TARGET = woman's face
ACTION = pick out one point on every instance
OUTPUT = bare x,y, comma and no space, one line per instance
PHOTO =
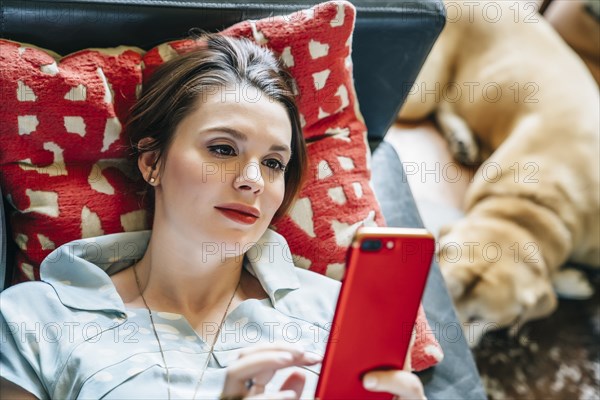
224,174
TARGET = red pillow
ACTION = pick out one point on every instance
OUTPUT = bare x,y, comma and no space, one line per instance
62,153
92,198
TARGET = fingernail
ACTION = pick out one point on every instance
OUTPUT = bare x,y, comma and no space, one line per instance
313,358
370,382
288,394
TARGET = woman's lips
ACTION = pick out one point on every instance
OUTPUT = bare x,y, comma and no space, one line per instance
238,216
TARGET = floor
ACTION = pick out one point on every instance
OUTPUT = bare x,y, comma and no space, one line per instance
554,358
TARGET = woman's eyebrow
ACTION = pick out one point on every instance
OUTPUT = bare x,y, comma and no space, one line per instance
243,137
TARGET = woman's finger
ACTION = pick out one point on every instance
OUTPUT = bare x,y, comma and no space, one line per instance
260,367
279,346
294,382
283,395
253,364
404,384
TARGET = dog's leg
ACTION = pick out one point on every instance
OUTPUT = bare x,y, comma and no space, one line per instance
571,283
462,142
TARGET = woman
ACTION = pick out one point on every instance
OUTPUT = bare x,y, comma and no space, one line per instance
159,314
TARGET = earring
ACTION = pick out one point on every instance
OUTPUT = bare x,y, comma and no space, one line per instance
152,179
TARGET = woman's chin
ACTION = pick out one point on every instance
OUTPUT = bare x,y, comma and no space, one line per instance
238,241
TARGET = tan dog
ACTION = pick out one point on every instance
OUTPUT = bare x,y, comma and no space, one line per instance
506,89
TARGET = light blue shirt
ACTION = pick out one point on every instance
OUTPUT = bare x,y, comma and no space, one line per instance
71,336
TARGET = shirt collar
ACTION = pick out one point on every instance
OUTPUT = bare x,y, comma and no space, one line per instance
79,270
270,261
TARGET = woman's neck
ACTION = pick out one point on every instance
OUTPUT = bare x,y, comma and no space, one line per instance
177,275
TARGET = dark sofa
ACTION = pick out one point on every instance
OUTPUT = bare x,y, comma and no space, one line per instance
391,41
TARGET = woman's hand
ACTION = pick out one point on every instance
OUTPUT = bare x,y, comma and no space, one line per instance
403,383
249,374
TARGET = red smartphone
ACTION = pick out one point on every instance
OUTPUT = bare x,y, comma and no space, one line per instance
386,271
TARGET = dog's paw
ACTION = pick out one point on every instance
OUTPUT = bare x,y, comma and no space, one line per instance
460,138
572,284
454,283
444,230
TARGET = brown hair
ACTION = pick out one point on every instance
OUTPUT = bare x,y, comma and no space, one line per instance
171,94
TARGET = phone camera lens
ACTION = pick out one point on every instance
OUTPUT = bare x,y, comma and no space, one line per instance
371,245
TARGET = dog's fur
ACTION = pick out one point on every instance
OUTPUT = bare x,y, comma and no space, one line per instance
499,261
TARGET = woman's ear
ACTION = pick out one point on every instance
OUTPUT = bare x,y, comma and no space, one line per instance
147,162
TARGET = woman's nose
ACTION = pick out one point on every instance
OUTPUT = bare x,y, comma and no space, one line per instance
250,178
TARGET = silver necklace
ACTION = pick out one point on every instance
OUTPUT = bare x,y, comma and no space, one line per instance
162,354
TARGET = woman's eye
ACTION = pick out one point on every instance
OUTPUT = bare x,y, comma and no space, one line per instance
274,164
222,150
